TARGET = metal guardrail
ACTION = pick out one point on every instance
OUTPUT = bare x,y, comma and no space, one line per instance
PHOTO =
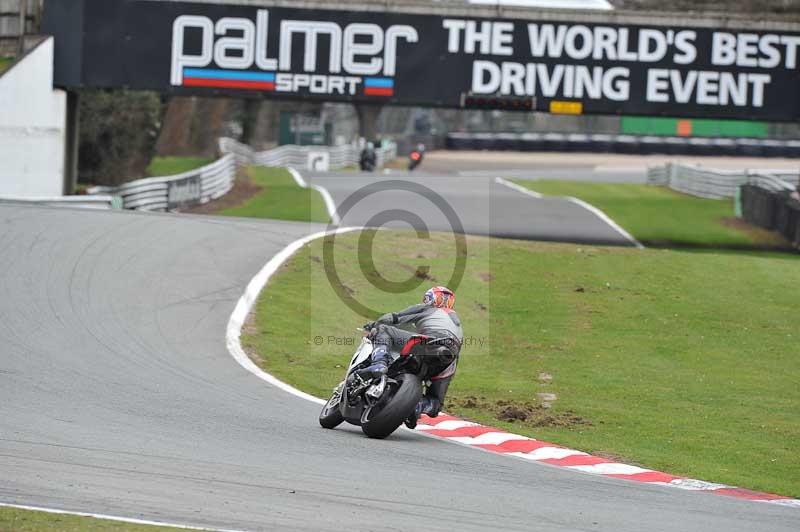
216,179
714,183
769,182
302,156
171,192
86,202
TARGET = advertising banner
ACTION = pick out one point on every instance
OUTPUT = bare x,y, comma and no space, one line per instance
408,59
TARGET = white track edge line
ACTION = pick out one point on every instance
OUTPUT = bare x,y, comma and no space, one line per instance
607,219
245,305
326,196
589,207
518,188
248,299
233,334
113,518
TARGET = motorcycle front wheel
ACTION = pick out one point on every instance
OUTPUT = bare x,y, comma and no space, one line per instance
382,419
331,415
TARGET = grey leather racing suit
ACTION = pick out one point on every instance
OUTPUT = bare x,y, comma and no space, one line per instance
395,329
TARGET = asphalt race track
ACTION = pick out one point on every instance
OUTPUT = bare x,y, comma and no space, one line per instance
118,396
482,206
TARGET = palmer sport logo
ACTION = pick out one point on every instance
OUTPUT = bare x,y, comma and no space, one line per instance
234,53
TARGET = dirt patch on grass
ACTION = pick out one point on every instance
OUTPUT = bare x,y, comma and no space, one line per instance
760,237
527,413
250,328
243,189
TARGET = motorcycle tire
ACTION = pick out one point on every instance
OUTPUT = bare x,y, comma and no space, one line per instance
397,410
331,416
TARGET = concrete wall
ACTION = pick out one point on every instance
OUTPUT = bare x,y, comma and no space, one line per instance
32,127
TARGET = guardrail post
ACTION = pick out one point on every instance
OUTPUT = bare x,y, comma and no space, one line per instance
737,202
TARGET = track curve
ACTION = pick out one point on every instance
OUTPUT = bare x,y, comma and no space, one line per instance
117,396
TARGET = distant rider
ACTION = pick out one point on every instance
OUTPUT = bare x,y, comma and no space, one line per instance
369,158
434,318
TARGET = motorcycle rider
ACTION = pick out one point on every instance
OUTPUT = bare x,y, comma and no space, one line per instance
433,318
369,158
415,157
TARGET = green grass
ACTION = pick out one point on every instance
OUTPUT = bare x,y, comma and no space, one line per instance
164,166
32,521
659,216
5,62
280,198
679,361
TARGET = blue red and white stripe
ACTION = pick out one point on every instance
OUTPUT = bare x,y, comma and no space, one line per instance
228,79
378,86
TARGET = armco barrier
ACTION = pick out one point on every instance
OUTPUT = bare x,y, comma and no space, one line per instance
301,156
216,179
717,184
171,192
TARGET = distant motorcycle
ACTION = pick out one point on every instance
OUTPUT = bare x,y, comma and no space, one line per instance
414,159
379,405
367,165
369,159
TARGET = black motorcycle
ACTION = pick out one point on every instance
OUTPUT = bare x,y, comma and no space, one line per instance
379,405
368,160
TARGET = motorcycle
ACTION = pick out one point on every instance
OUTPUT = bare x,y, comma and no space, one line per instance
367,166
379,405
368,160
414,159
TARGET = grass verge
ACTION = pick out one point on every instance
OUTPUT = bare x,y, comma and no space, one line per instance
164,166
659,216
5,62
279,197
32,521
678,361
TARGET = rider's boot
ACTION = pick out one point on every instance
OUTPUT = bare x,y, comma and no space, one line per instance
423,407
380,364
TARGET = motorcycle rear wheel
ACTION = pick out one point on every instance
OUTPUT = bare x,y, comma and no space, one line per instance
400,406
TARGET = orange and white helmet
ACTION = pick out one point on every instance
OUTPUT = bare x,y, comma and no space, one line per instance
440,297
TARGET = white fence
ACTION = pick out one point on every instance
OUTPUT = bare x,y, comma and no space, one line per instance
303,156
772,182
216,179
170,192
717,184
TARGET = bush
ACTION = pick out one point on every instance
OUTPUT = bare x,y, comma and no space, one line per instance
118,132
